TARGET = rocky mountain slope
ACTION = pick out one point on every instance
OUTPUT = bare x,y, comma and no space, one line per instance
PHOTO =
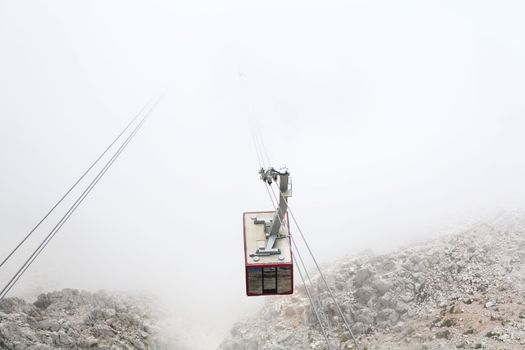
465,290
72,319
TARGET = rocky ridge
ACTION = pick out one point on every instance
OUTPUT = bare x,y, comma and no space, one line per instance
466,290
73,319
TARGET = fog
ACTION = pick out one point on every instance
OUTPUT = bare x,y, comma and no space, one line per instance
397,122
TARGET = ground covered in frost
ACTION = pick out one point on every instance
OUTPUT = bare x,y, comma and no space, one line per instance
465,291
72,319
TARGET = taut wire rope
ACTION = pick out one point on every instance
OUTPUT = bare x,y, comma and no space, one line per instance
73,186
72,209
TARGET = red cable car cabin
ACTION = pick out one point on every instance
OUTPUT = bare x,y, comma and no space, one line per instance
270,274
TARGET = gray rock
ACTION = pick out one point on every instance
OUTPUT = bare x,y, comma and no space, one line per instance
443,294
382,286
361,276
72,319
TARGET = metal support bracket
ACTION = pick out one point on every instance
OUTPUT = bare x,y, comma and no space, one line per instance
272,227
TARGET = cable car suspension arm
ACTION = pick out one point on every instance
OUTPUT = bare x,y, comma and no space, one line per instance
272,227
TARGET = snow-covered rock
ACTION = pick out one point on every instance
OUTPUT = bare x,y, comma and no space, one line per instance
465,290
73,319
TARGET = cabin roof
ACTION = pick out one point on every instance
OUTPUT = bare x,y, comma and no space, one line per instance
254,238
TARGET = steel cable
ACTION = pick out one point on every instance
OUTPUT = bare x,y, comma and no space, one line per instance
73,186
309,295
254,138
72,209
317,299
319,270
284,222
325,335
323,278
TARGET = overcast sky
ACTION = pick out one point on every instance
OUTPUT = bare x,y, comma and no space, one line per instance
397,120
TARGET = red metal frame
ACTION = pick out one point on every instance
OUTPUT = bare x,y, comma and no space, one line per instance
247,265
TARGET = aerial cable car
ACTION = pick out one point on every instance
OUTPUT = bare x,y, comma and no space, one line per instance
267,249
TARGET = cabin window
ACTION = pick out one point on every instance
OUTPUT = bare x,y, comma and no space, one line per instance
269,280
255,285
284,280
